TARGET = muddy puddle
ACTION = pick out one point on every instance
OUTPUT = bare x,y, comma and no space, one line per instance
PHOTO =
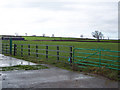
6,61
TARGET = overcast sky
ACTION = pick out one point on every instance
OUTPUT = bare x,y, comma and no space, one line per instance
67,18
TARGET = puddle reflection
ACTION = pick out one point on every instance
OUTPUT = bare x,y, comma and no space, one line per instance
6,61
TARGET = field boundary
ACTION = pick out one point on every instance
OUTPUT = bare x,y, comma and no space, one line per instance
20,49
33,50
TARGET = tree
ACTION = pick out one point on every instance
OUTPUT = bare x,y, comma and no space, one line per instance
43,35
16,34
52,35
81,36
25,34
103,37
97,35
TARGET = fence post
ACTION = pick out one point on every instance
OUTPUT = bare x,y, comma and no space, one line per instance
15,49
71,55
6,48
29,50
10,46
2,48
57,53
21,50
46,51
73,65
36,50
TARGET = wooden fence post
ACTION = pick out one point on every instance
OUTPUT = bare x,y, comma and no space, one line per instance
46,51
36,50
6,48
21,50
28,50
2,48
15,46
57,53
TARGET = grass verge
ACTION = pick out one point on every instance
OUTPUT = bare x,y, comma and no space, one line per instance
108,73
24,67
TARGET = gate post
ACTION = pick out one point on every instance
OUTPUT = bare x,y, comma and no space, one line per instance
73,65
99,57
71,55
10,46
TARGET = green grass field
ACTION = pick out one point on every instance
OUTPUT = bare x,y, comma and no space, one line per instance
62,38
47,38
95,45
112,74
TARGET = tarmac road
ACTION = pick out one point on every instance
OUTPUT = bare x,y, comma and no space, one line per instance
52,78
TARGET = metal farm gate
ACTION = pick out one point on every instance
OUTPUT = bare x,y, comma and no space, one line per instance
86,58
